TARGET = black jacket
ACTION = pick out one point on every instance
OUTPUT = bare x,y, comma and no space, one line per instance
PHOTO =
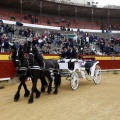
65,54
72,54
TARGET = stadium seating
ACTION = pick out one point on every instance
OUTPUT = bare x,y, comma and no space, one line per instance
6,14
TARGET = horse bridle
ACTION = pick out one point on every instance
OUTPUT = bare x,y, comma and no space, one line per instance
17,59
31,54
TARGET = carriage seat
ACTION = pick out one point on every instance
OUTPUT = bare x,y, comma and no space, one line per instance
88,65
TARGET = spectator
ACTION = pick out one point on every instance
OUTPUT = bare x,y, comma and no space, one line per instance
54,51
72,52
48,21
63,20
1,21
68,23
26,17
36,20
30,15
56,21
65,53
6,46
6,29
21,31
19,24
56,42
68,29
32,20
116,50
12,17
10,32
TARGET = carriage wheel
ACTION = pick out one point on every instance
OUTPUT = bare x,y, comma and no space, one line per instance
74,81
97,75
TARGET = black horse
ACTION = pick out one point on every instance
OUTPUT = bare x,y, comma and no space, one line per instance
21,64
42,68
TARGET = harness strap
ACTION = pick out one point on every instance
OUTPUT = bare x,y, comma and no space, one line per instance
43,64
22,68
35,67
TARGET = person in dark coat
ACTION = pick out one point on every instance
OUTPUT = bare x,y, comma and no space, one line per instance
72,52
72,55
6,46
65,53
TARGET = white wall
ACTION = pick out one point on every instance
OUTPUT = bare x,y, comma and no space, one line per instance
83,2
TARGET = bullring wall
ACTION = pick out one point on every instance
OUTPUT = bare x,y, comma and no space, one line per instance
7,69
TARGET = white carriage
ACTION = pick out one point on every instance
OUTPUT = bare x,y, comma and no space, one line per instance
79,71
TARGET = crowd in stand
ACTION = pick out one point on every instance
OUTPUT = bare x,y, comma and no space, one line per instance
84,43
6,35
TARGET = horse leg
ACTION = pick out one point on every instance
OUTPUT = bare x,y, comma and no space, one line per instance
27,92
50,84
43,83
17,95
34,89
57,82
37,93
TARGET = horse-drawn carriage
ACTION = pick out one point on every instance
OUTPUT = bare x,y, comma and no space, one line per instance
37,68
81,69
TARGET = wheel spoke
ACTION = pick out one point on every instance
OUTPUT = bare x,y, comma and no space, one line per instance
74,80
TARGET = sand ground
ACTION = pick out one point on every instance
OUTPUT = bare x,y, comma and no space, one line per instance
88,102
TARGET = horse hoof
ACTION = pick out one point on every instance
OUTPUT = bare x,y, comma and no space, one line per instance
30,102
55,92
49,92
46,85
37,96
15,100
43,90
27,94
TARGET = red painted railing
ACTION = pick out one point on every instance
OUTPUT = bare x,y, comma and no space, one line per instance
106,63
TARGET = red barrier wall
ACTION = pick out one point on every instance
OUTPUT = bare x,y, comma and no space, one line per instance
109,64
6,69
106,62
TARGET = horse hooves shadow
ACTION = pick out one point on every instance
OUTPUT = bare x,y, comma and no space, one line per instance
15,100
